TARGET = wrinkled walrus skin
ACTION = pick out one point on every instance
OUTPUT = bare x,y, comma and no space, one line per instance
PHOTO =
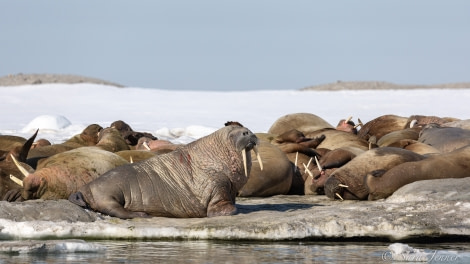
199,179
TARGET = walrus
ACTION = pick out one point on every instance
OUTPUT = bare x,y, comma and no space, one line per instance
276,176
42,142
327,164
444,139
304,122
88,137
454,164
130,136
334,139
415,146
8,142
8,167
200,179
397,135
347,182
381,126
347,125
422,120
64,173
111,140
465,124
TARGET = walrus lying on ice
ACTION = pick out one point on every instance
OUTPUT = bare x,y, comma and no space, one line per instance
199,179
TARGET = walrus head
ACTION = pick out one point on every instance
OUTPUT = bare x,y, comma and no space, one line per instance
335,189
245,141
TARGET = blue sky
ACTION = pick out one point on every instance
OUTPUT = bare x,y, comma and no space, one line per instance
238,45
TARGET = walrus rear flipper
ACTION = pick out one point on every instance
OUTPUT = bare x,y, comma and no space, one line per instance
77,198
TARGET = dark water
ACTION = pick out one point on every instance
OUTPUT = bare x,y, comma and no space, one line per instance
233,252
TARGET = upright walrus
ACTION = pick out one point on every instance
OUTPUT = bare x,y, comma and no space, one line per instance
199,179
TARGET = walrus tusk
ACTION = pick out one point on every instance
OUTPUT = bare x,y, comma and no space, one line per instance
258,157
318,164
359,123
296,158
310,161
146,145
244,161
339,196
16,180
307,170
18,165
342,185
347,120
413,123
130,159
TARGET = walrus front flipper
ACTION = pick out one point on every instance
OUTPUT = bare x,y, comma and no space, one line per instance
13,196
77,198
117,210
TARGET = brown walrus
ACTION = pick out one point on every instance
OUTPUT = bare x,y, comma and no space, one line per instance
276,176
328,163
88,137
65,172
304,122
454,164
347,182
415,146
381,126
130,136
334,139
8,167
200,179
111,140
444,139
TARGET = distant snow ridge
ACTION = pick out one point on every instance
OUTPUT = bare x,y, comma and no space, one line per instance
47,122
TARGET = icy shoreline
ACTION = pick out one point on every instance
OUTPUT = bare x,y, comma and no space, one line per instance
426,210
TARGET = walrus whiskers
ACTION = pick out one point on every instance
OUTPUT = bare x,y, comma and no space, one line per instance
339,196
307,170
18,165
16,180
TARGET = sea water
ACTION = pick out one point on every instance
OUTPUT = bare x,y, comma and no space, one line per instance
243,252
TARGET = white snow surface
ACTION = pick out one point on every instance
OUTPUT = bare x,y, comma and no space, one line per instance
63,110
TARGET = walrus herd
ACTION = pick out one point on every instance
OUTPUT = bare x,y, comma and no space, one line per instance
127,174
